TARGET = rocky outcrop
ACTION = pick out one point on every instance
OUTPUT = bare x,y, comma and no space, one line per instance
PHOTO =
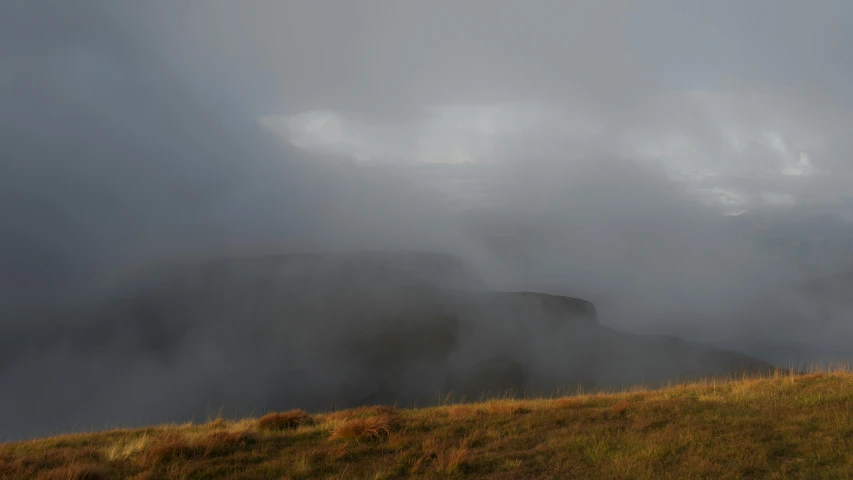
558,306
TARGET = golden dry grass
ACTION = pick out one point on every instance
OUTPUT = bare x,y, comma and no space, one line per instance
511,407
363,411
362,429
178,446
74,472
284,420
127,447
778,426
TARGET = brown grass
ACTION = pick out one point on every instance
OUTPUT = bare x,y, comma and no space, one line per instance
621,407
146,476
217,423
59,461
284,420
509,408
178,447
74,472
127,447
174,448
219,443
570,402
779,426
451,458
458,412
364,428
361,412
443,456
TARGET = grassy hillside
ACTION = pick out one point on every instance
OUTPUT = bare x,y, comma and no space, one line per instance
779,426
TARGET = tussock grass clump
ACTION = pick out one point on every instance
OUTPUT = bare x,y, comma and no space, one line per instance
173,448
361,412
444,456
364,428
126,448
217,423
278,421
376,410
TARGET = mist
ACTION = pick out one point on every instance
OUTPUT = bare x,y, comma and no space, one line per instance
154,155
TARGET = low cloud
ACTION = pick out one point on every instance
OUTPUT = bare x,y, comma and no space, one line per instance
732,151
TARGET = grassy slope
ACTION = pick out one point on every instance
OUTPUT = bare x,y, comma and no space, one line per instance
780,426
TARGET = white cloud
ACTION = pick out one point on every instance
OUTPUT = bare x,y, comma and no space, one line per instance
330,133
802,167
714,144
446,134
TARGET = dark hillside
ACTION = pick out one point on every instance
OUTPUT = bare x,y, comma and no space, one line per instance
316,331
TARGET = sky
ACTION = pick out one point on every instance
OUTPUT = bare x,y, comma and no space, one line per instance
134,132
601,149
744,105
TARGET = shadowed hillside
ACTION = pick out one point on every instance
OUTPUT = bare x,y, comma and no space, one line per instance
321,331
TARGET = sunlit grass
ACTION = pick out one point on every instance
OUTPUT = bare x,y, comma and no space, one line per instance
783,425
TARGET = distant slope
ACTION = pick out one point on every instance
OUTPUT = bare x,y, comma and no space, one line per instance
774,427
805,323
317,331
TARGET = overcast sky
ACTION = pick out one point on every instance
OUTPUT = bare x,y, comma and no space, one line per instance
744,103
129,125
